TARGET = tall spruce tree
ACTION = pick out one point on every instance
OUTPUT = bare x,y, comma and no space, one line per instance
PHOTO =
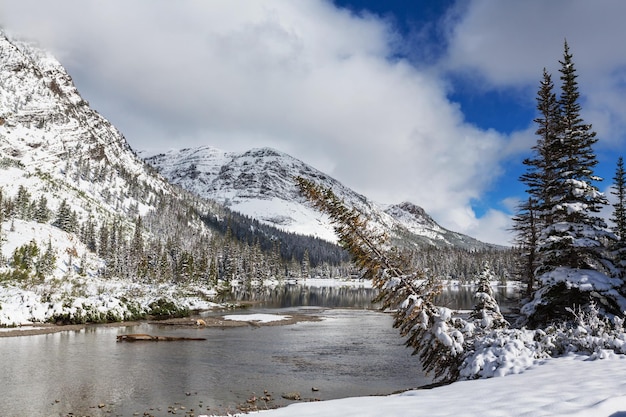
525,223
574,234
542,175
619,216
619,207
574,266
540,179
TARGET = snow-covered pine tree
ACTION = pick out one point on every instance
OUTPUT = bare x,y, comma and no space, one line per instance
619,216
542,174
486,312
574,264
22,204
66,218
540,177
305,265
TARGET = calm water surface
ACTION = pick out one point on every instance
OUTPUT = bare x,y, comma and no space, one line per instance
351,352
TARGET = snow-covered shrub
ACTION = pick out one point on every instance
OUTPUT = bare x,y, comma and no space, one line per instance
590,333
501,352
164,309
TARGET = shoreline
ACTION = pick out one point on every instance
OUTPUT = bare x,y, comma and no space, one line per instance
35,329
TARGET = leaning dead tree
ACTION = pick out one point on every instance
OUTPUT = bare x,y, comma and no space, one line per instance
434,335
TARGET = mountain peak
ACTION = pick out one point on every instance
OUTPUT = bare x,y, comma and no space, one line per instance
411,212
260,183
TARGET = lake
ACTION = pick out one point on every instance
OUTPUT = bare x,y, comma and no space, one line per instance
352,351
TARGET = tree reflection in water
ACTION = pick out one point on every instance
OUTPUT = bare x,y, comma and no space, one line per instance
298,295
353,296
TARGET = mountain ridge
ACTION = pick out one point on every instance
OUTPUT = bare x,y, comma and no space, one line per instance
260,183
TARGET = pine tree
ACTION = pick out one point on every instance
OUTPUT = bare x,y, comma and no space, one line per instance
575,198
103,242
541,178
88,235
22,203
66,218
525,223
619,213
42,213
573,239
305,270
46,263
487,311
619,216
136,246
24,258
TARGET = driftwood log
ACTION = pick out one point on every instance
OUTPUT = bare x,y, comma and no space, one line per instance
133,337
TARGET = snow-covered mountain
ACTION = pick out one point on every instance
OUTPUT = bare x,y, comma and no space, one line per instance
71,191
50,133
90,232
260,183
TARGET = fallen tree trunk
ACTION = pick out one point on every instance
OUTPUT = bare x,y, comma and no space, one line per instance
133,337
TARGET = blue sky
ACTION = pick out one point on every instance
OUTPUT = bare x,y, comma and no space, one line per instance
507,109
424,101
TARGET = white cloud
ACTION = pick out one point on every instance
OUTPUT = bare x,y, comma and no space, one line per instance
505,44
494,226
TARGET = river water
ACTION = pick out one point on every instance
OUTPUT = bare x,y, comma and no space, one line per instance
352,351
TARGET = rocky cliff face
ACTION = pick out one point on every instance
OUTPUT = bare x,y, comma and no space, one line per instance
47,127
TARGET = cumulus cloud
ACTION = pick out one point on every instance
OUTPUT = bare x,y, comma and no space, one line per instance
505,44
494,226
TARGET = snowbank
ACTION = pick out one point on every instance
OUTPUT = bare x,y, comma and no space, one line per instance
573,385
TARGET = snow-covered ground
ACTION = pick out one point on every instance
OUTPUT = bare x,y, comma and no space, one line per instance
573,385
68,293
261,318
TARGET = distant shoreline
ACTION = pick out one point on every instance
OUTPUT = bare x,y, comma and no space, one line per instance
35,329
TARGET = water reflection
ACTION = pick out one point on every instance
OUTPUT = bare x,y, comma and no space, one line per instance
462,297
356,296
299,295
